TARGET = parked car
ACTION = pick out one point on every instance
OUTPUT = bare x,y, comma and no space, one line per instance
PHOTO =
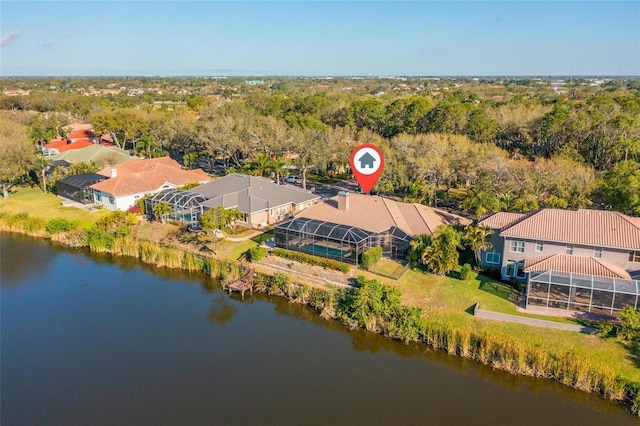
452,204
293,179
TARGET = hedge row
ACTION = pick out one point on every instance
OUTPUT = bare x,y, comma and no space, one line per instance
312,260
371,257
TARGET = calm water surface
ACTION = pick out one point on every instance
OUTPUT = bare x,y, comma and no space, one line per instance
90,340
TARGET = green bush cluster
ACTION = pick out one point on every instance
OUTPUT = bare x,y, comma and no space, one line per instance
60,225
257,253
376,307
371,257
312,260
466,273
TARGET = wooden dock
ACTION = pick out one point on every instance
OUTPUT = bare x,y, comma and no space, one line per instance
242,284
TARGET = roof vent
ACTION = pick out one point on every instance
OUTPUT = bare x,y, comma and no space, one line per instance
114,173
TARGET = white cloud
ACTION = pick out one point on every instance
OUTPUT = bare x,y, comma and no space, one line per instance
7,37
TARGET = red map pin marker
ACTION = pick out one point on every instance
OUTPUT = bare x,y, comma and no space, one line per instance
366,164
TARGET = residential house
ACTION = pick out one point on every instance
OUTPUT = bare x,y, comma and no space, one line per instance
101,155
575,260
611,238
345,226
78,187
261,201
136,178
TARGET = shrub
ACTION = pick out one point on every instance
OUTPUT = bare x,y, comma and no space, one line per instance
257,253
60,225
629,323
33,225
312,260
98,239
371,257
604,328
466,273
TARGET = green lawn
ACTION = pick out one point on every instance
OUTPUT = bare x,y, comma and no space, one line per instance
46,206
234,250
386,267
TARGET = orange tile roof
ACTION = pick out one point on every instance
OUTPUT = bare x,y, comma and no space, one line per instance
377,214
80,134
588,227
138,176
63,145
576,264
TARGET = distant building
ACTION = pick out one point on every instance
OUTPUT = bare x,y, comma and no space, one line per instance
253,82
16,92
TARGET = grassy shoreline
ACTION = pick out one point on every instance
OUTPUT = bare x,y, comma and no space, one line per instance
587,363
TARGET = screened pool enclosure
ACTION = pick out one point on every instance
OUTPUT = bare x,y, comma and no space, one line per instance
585,293
340,242
187,206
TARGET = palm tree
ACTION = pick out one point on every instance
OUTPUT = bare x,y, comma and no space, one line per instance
416,248
476,239
441,256
161,209
278,164
261,166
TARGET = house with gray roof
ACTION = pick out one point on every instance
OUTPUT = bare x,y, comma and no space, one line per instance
261,201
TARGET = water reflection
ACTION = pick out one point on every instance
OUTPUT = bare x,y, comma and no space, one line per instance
221,311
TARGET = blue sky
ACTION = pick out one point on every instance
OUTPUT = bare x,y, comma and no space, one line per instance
319,38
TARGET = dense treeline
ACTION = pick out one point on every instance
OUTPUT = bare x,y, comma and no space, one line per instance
506,148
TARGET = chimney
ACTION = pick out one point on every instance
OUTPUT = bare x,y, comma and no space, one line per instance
343,201
114,173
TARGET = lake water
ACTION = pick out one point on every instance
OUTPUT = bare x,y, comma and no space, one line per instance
91,340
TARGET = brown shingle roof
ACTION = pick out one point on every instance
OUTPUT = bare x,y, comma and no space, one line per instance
589,227
377,214
137,176
576,264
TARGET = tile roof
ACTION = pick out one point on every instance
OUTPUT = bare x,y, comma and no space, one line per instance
80,134
250,194
576,264
63,145
588,227
377,214
140,175
98,153
502,219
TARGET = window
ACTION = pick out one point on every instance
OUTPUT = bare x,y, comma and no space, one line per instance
112,200
520,270
539,246
634,256
597,252
493,257
510,269
98,197
517,246
569,249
